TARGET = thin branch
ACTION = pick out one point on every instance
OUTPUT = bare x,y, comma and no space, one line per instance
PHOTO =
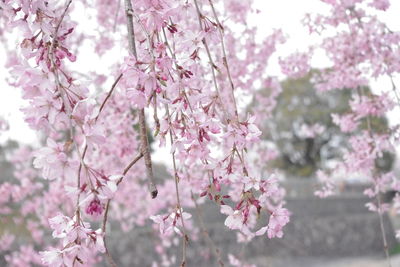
378,197
383,231
214,248
144,148
107,208
394,88
116,15
185,238
60,89
130,165
108,255
62,18
82,157
213,66
225,62
54,69
109,95
224,59
155,116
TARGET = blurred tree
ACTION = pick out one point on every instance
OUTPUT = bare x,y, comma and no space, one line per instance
303,130
6,167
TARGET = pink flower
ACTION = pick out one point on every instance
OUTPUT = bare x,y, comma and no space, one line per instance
85,111
51,160
168,223
137,97
56,257
251,182
380,4
295,65
61,225
6,241
52,257
235,218
327,185
237,263
277,220
347,122
94,207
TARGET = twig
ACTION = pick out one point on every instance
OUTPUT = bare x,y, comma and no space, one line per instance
213,66
144,148
394,88
116,15
224,59
382,226
176,178
82,157
59,86
107,208
109,95
155,116
130,165
214,248
60,89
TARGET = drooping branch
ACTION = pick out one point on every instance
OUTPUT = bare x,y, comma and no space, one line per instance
144,142
200,16
213,66
225,59
378,195
214,248
107,208
109,95
185,237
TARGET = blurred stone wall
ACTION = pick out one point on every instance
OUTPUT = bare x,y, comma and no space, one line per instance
335,227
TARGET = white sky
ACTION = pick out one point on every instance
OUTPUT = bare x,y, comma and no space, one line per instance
285,14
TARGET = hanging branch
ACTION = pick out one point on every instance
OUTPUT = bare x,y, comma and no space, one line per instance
213,66
145,147
185,237
200,16
224,58
107,208
360,93
213,246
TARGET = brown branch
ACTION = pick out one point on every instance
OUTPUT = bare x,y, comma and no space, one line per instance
109,95
131,30
144,148
142,118
130,165
62,18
